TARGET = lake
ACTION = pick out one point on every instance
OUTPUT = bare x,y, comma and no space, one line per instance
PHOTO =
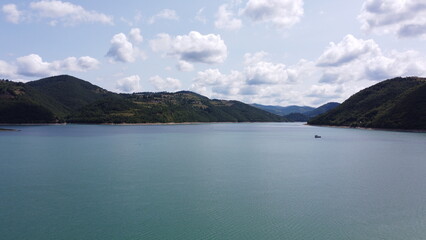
211,181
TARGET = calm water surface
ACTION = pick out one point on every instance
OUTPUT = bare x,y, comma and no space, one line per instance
211,181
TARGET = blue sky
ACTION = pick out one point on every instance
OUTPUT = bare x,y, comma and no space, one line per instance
276,52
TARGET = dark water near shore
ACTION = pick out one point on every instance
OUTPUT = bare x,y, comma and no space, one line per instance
211,181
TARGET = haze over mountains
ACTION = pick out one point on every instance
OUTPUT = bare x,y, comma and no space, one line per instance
298,113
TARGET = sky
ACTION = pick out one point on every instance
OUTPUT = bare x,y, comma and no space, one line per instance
272,52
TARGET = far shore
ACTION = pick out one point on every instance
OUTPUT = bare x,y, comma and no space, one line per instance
121,124
8,130
374,129
197,123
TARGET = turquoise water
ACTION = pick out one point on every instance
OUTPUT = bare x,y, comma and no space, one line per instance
211,181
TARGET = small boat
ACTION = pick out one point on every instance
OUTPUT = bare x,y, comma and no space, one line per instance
317,136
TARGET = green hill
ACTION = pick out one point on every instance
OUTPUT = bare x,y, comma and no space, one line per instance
169,107
398,103
68,99
282,111
20,103
72,93
321,109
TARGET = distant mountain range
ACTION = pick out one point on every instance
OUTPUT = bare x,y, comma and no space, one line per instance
298,113
68,99
398,103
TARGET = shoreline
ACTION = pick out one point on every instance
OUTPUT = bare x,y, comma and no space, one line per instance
124,124
373,129
9,130
198,123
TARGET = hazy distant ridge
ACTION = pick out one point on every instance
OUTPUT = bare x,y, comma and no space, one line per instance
298,113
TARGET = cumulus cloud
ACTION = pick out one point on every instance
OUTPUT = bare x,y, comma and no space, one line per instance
193,48
347,50
67,13
404,18
281,13
165,84
123,50
320,94
213,83
135,35
266,73
184,66
167,14
81,64
355,59
408,63
259,79
324,92
162,43
56,12
260,71
12,13
341,70
7,70
225,19
34,66
129,84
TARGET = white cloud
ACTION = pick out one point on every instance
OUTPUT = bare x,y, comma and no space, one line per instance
259,79
349,49
165,84
168,14
135,35
281,13
7,70
33,65
56,12
194,47
67,13
129,84
162,43
213,83
266,73
253,58
185,66
325,92
408,63
225,19
404,18
81,64
260,71
355,59
123,50
12,13
341,70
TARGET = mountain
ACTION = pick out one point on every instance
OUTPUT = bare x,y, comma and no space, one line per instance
322,109
398,103
20,103
70,92
298,113
68,99
166,107
282,111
